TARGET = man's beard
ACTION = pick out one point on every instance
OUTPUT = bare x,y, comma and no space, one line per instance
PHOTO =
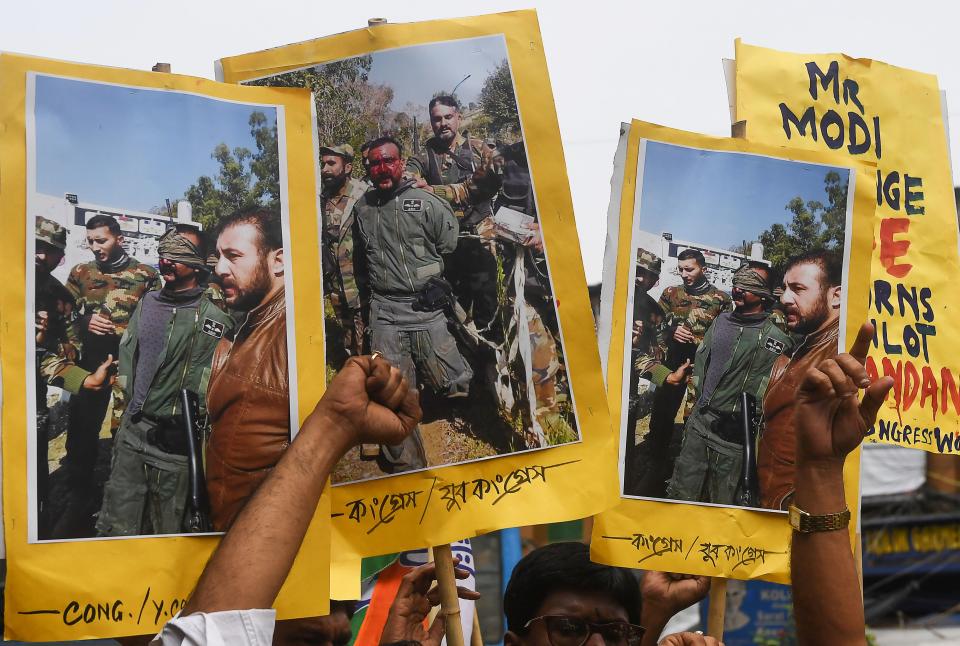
447,136
811,322
332,182
251,295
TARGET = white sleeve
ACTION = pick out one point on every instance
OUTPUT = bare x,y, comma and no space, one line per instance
226,628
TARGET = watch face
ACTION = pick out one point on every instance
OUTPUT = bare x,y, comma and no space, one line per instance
794,514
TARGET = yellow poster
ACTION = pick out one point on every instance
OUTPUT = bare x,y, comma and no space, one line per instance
449,246
116,181
701,346
856,107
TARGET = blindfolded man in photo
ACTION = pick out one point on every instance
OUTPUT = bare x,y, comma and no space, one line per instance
735,357
168,346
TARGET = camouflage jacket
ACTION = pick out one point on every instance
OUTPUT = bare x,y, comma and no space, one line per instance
337,234
465,177
696,311
649,348
114,295
56,356
214,293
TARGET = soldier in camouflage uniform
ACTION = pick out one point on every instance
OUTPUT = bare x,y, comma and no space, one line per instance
343,310
107,291
459,169
56,357
648,375
168,346
543,329
688,310
212,288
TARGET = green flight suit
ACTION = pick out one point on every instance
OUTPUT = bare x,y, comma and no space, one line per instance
708,468
147,489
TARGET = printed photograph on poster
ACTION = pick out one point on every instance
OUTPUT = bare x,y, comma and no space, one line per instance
158,224
432,252
739,266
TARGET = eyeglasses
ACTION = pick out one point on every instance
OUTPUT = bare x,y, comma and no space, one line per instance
574,631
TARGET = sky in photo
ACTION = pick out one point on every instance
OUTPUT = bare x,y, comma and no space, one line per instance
721,198
130,148
417,73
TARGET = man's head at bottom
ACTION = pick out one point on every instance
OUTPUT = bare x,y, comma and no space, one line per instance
558,597
329,630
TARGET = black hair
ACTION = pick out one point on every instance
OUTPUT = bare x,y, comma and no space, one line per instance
101,220
564,566
384,140
829,262
443,99
266,222
692,254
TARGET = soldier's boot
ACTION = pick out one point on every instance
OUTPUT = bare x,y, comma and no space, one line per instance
409,455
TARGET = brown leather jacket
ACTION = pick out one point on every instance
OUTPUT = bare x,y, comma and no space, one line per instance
776,454
249,403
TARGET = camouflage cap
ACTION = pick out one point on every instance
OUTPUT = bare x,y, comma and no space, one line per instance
649,261
749,280
343,150
52,233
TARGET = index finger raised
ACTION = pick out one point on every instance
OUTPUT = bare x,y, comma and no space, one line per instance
861,346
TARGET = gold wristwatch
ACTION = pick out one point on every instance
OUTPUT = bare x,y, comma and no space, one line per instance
806,523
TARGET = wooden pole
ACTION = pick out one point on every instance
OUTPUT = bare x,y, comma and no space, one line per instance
476,638
718,607
449,601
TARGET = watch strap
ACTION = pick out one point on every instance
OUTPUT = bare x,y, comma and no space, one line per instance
806,523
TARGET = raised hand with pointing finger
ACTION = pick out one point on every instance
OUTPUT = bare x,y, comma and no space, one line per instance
831,420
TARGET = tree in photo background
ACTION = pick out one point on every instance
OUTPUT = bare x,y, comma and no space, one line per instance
814,225
351,109
247,178
499,103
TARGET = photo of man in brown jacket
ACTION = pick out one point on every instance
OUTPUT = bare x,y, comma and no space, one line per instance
248,396
811,299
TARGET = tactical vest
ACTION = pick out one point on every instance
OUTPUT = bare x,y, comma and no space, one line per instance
460,171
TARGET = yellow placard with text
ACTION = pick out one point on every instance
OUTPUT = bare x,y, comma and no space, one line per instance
80,141
893,117
688,200
468,104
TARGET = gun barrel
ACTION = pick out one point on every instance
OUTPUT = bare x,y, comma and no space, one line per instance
748,471
187,401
